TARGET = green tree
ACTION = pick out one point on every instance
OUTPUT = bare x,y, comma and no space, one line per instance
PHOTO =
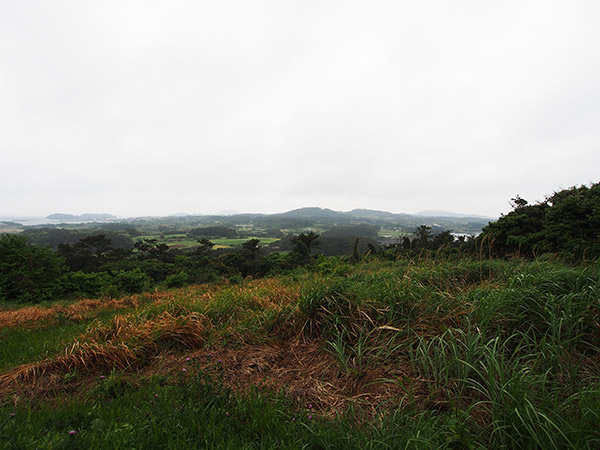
251,256
572,222
567,223
28,273
91,253
442,239
204,249
303,244
422,237
152,249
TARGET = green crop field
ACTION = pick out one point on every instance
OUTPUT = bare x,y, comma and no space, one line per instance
399,354
184,242
237,242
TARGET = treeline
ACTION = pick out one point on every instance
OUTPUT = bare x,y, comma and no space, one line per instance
120,235
566,224
93,266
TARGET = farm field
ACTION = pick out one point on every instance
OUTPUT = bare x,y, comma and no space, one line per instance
237,242
182,241
378,354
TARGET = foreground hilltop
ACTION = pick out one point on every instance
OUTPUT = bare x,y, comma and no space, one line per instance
430,353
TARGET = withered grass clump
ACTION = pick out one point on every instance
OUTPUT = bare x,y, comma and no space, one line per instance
165,331
83,358
124,343
309,375
34,316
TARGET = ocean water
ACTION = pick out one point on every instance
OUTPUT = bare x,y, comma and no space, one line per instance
33,221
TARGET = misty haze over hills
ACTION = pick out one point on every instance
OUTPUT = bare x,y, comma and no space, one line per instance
307,212
438,213
442,219
301,218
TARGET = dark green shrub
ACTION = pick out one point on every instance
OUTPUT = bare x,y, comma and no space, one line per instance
131,282
82,284
28,273
176,280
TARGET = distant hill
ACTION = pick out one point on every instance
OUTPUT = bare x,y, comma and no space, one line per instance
308,218
323,216
61,216
370,213
312,212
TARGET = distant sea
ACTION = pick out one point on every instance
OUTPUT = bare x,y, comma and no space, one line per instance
33,221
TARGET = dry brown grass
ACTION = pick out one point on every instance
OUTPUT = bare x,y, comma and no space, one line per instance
123,344
269,293
300,367
84,358
293,361
165,330
34,316
307,374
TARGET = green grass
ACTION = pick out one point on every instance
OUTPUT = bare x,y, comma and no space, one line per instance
504,354
237,242
20,345
196,412
180,240
391,233
23,344
184,241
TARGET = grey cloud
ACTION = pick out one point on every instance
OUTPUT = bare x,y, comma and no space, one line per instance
155,107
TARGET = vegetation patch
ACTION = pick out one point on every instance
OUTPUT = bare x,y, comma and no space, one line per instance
426,342
482,354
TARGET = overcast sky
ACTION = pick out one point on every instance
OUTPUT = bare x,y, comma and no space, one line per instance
160,107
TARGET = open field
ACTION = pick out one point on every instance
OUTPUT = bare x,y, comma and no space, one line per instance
405,354
182,241
237,242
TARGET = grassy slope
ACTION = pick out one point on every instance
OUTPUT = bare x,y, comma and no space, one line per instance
403,354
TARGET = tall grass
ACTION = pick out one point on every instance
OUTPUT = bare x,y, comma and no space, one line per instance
196,412
500,354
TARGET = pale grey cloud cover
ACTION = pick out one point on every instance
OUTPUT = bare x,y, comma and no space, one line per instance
157,107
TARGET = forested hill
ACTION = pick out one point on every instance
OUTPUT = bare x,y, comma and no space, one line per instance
311,216
301,217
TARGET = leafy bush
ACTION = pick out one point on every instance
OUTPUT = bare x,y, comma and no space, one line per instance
176,280
27,273
565,223
131,282
82,284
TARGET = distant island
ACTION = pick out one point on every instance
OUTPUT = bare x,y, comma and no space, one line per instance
86,217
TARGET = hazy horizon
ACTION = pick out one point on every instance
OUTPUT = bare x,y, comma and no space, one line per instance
153,108
228,213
